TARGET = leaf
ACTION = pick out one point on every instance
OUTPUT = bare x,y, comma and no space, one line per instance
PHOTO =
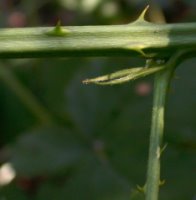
45,152
11,192
92,180
123,76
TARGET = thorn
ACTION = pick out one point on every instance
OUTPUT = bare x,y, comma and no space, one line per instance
161,182
163,148
141,52
138,50
58,30
160,150
143,14
141,188
141,18
58,24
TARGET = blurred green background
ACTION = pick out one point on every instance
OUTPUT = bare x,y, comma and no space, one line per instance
86,142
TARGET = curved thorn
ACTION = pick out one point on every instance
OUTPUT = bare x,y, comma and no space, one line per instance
139,49
141,17
141,52
141,189
161,182
143,14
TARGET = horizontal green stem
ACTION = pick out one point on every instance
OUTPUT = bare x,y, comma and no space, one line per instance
148,39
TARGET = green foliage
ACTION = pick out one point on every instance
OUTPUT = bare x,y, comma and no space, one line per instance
95,146
46,151
12,192
113,143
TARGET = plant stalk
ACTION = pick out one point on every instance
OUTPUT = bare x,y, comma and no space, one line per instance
162,80
134,39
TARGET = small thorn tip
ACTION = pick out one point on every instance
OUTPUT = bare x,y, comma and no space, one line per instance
143,14
58,24
58,30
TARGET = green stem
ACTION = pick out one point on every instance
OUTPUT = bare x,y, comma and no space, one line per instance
162,80
161,84
28,99
137,38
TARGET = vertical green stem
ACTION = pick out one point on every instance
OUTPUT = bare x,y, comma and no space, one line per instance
162,80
